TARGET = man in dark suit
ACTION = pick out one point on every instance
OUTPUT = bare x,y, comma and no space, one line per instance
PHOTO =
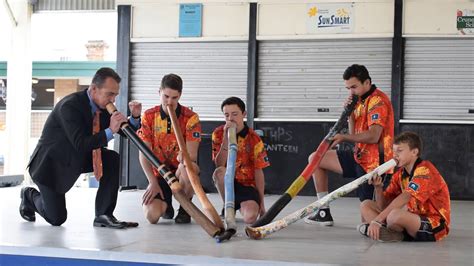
64,151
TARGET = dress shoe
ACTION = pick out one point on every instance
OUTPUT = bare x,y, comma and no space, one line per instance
126,224
108,221
26,211
169,213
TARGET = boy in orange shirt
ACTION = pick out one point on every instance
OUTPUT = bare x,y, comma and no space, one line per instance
418,185
251,159
370,129
157,132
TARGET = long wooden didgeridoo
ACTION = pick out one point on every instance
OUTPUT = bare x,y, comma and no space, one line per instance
230,225
193,177
266,230
303,178
170,178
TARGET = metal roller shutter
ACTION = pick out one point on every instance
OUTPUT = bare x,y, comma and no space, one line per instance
211,72
298,78
439,79
57,5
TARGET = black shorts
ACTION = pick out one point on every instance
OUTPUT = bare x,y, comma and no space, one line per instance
351,169
424,234
167,194
243,193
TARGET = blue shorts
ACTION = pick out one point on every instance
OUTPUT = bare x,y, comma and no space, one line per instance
351,169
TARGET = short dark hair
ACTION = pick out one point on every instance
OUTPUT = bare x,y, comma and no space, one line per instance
410,138
233,100
102,74
172,81
358,71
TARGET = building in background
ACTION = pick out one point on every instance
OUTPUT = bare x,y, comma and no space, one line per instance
68,46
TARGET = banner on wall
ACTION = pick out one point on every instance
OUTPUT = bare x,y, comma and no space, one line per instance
190,20
330,18
465,21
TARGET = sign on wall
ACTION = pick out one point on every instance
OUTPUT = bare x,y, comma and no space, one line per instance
330,18
465,21
190,20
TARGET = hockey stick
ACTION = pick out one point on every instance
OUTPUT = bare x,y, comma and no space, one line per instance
230,225
193,177
263,231
170,178
301,180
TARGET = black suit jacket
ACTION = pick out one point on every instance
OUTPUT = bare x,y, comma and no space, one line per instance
64,150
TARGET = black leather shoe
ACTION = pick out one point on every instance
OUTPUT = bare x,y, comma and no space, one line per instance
182,217
26,212
108,221
169,213
127,224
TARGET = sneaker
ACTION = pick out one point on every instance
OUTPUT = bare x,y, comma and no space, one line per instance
169,213
182,217
362,228
389,235
322,217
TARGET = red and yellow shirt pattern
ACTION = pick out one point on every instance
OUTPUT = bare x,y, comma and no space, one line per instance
430,195
251,154
373,109
157,130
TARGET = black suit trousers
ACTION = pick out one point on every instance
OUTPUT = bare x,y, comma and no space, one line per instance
51,205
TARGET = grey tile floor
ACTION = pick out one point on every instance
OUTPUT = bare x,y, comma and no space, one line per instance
167,242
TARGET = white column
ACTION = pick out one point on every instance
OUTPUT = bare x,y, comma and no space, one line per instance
19,74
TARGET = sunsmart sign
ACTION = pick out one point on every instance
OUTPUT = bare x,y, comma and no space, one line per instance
330,18
465,21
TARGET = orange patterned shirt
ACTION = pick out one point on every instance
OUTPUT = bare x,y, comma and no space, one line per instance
373,108
156,129
251,154
430,195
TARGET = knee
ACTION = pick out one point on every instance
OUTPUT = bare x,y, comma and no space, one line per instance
250,218
218,175
393,217
111,162
152,216
366,204
57,221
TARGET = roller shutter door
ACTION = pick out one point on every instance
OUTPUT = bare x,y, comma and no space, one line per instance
303,79
211,72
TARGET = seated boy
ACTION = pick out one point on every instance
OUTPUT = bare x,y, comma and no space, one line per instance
419,186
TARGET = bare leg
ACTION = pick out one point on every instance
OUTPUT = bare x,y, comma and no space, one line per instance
329,162
154,210
369,210
182,175
399,220
218,178
249,210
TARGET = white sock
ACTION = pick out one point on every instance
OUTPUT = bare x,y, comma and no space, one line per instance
320,196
